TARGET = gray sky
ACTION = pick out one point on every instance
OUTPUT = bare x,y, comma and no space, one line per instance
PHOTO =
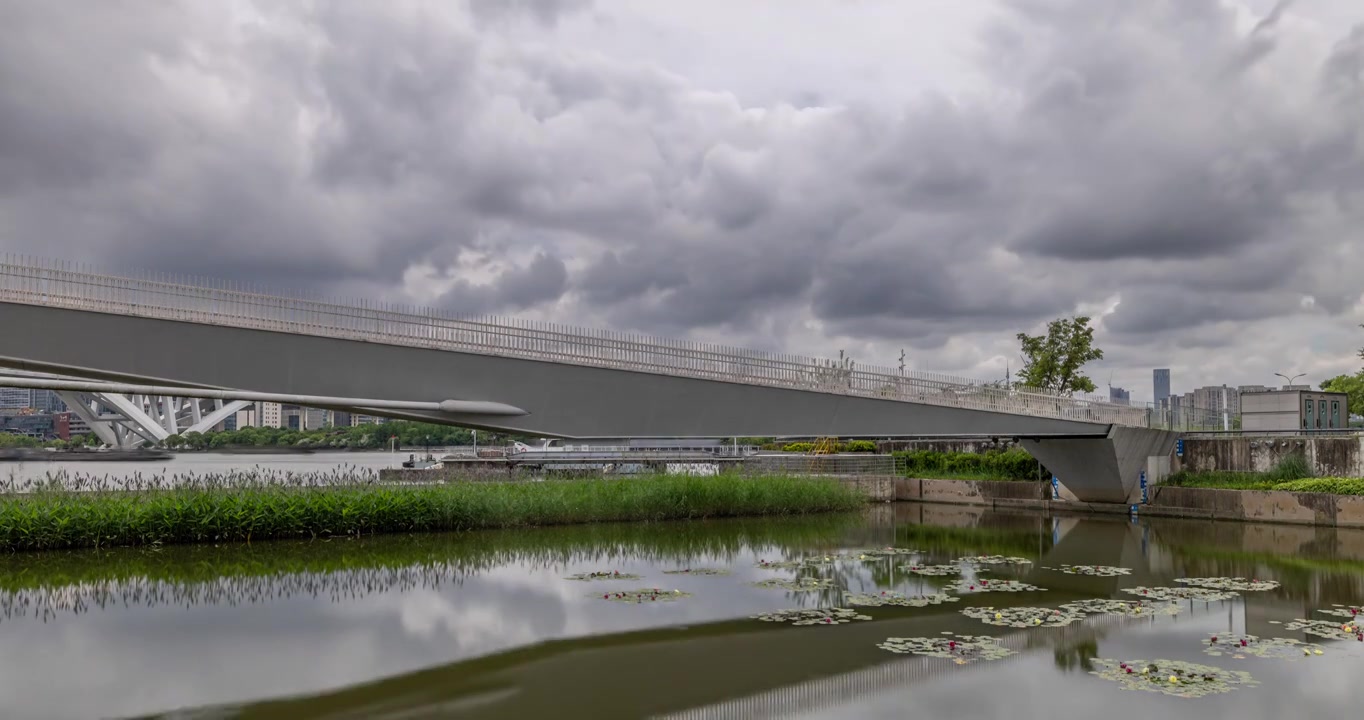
810,176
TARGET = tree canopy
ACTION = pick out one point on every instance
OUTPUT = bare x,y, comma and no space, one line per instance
1053,362
1351,385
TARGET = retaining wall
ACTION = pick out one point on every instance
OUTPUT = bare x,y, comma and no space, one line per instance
1249,505
1329,455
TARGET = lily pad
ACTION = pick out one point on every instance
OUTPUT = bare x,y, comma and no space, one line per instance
1094,570
1172,677
887,552
1346,611
697,571
1328,629
1180,593
962,649
994,560
938,570
1024,617
603,575
795,564
1230,584
888,597
645,595
830,616
980,586
1243,645
797,584
1129,608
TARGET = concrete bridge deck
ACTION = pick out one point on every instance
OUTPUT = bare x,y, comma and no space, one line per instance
571,382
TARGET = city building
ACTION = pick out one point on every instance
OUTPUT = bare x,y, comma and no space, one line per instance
1244,389
1296,388
1294,410
1217,398
49,426
1119,395
357,420
47,401
15,398
248,416
1161,380
340,418
271,414
314,418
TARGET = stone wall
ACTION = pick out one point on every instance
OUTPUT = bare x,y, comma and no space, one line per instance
967,492
1329,455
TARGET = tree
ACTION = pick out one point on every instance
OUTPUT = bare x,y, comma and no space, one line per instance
1352,386
1052,362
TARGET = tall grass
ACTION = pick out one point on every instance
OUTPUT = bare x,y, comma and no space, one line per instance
250,506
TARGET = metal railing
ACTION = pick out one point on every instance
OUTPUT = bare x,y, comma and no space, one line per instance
62,284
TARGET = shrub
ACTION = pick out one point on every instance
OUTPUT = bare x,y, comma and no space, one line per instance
993,464
859,446
1335,486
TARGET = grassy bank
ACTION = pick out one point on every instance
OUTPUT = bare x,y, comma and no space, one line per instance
212,509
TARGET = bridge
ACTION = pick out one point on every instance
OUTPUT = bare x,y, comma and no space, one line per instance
191,337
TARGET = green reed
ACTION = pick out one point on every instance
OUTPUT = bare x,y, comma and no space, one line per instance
73,511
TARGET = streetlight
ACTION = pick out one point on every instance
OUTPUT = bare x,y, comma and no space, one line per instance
1289,380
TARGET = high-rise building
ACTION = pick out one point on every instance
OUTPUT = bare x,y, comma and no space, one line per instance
15,398
1119,396
271,415
357,420
48,401
1161,380
1217,399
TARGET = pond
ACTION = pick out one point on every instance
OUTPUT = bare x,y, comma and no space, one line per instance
538,623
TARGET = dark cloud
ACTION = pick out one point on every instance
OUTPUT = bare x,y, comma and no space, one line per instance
1174,159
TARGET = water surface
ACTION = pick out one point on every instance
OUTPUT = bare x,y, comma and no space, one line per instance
486,625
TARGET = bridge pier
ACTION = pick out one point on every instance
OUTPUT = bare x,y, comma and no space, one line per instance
1106,469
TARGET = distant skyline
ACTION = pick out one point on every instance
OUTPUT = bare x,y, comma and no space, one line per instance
807,177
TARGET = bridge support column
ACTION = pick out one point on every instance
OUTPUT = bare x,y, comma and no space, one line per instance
1103,469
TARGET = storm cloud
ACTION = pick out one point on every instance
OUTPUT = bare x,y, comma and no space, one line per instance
1186,170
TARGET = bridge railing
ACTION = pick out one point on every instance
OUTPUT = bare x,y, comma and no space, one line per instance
154,295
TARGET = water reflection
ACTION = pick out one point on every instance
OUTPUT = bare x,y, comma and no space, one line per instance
485,625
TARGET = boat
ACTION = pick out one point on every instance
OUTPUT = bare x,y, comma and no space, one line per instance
32,455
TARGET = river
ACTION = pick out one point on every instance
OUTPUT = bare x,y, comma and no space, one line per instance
488,625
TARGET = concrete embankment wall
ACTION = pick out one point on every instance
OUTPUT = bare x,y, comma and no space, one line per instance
1329,455
1249,505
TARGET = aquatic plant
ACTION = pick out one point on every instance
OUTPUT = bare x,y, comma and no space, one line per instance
1129,608
994,560
1345,611
887,552
805,584
1328,629
697,571
938,570
248,506
645,595
829,616
797,564
960,648
1094,570
1024,617
1180,593
1230,584
890,597
1240,646
1172,677
603,575
979,586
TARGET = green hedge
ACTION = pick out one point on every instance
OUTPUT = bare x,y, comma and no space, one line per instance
850,446
1333,485
991,464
